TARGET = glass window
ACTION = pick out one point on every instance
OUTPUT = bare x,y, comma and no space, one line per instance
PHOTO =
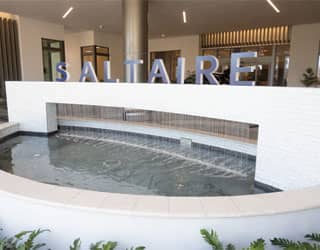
52,54
264,51
97,55
272,64
55,45
88,50
281,67
224,53
212,52
102,50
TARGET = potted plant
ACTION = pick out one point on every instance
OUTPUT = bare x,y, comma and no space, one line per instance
309,78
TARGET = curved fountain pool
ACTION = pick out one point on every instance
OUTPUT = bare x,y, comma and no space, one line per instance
129,163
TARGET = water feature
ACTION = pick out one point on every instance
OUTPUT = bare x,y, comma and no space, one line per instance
119,162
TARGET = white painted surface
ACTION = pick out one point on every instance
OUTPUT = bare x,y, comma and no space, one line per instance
170,223
288,118
73,42
304,49
30,33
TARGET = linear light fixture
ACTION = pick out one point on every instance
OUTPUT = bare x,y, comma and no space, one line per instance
273,6
67,12
184,14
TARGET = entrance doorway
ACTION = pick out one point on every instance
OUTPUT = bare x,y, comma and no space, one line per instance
52,53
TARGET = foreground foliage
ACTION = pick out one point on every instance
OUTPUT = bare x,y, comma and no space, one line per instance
213,240
291,245
312,243
309,78
26,240
22,241
101,245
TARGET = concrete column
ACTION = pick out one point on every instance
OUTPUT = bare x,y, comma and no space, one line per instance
135,19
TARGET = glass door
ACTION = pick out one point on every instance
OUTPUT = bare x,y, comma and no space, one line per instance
97,55
52,54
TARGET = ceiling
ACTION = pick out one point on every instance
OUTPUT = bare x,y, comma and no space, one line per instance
165,16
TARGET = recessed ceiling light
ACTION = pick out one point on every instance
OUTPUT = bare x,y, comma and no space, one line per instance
184,15
67,12
273,6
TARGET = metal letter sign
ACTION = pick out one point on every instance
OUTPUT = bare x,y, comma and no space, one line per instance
88,72
236,69
107,72
208,73
181,68
159,70
62,69
132,69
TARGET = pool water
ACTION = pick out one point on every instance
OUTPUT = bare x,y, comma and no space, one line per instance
128,163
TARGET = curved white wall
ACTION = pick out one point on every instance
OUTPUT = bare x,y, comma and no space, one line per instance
288,118
159,223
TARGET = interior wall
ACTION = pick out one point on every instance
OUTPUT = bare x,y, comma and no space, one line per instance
30,32
73,42
189,46
115,44
303,52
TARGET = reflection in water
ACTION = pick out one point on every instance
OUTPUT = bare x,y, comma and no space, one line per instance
126,163
6,159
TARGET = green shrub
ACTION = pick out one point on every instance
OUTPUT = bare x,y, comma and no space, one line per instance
76,245
22,241
26,241
101,245
213,240
298,245
110,245
309,78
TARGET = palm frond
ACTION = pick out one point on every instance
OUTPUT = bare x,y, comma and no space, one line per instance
76,244
313,237
212,239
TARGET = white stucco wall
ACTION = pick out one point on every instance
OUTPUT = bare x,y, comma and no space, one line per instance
189,46
304,51
177,231
288,118
30,32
